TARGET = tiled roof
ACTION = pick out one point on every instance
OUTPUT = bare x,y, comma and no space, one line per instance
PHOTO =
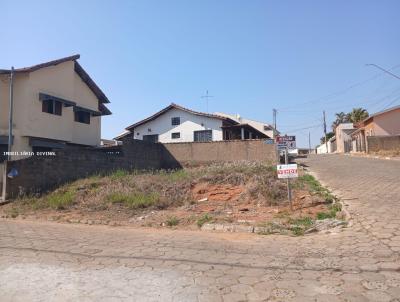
376,114
175,106
79,70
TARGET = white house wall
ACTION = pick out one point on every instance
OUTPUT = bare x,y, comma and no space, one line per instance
189,123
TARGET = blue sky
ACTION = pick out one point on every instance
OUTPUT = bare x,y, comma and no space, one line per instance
300,57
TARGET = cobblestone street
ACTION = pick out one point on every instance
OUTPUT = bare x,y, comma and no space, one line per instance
42,261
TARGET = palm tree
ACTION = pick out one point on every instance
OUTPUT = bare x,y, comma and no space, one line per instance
341,117
357,115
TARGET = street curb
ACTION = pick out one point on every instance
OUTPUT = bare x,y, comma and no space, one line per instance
347,214
372,156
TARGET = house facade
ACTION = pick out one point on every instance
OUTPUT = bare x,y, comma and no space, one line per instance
175,124
265,128
383,123
343,137
55,104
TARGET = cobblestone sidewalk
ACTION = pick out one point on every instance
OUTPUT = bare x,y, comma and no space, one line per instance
55,262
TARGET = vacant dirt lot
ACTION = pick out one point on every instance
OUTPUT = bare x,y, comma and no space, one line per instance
241,193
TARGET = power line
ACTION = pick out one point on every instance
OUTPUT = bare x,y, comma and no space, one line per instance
391,103
385,70
304,128
334,94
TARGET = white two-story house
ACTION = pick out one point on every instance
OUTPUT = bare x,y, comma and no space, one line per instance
175,124
55,104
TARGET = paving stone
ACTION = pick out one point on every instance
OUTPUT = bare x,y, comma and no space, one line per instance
42,261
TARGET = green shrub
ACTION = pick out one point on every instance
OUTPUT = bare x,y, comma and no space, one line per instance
172,221
60,200
134,200
203,219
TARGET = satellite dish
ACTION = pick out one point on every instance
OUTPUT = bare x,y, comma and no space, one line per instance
13,173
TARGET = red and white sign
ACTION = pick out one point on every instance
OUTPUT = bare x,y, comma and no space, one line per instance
287,171
286,141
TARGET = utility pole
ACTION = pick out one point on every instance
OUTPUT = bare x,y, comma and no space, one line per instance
326,142
274,111
309,142
10,114
206,97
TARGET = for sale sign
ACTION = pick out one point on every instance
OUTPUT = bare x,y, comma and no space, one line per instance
287,171
288,141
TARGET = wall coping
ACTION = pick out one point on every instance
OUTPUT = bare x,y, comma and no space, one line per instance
223,141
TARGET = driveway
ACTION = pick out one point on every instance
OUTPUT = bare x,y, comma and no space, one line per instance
56,262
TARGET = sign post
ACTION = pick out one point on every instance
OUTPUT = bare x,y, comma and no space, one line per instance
288,171
289,189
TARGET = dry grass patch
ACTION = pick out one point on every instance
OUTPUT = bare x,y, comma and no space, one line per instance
241,192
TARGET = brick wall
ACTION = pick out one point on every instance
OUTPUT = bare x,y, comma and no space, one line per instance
206,152
37,174
376,143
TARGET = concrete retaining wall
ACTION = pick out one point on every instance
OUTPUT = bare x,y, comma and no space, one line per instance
377,143
222,151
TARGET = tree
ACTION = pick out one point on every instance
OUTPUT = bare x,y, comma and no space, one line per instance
329,135
357,115
341,117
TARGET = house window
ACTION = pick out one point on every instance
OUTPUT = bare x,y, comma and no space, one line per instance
175,135
52,107
203,136
175,121
82,117
153,138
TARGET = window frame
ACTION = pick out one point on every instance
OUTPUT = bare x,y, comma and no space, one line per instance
176,134
204,135
82,117
175,118
56,107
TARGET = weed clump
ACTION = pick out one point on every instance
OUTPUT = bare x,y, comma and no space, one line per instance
203,219
308,181
60,200
135,200
333,209
172,221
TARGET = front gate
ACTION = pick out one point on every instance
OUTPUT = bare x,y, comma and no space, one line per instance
347,145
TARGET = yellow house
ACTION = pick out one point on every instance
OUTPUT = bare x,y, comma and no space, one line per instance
56,105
